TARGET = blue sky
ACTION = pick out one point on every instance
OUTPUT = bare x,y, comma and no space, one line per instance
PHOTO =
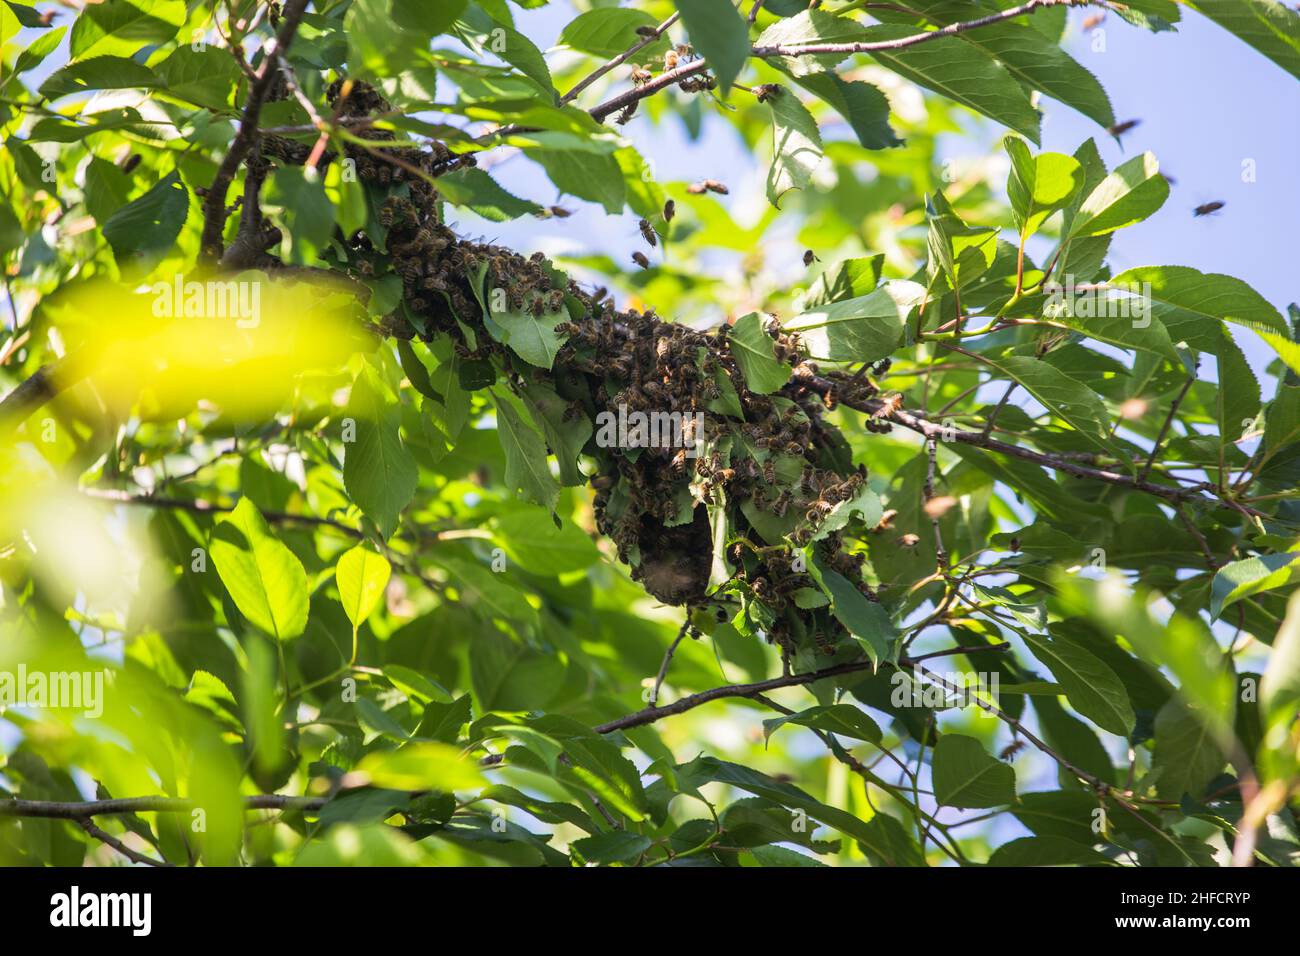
1207,102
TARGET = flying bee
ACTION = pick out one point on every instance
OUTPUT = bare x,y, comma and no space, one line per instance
670,210
648,232
707,186
670,59
1008,752
766,91
1093,20
809,257
909,540
640,259
559,212
881,367
1119,129
647,31
1208,208
641,76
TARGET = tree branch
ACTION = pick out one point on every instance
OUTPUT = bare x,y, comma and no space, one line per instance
214,203
664,80
108,839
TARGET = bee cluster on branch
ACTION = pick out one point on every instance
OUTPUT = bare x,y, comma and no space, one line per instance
731,515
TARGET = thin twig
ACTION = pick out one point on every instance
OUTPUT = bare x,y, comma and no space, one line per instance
107,838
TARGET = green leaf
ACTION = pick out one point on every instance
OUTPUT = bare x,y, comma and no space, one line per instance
526,468
1279,688
867,621
607,32
595,177
861,329
1046,851
125,26
755,353
264,578
27,16
361,576
530,537
961,72
1186,753
36,52
479,192
430,19
1241,579
719,34
99,73
1092,688
617,846
1130,194
506,674
1065,397
487,36
1039,185
379,473
306,210
965,775
204,77
421,766
1192,303
844,719
1270,27
149,224
1033,59
796,145
862,105
532,337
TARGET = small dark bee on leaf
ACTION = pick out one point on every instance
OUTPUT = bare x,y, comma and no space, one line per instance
670,210
1208,208
640,259
648,232
767,91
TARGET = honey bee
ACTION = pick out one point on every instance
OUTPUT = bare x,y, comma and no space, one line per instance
640,259
641,76
1119,129
1093,20
809,257
1208,208
708,186
818,510
769,471
647,31
648,233
723,475
831,399
559,212
670,59
782,503
670,210
1008,752
889,404
886,521
766,91
909,540
678,464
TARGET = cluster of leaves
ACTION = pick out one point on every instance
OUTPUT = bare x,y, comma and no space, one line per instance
370,585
